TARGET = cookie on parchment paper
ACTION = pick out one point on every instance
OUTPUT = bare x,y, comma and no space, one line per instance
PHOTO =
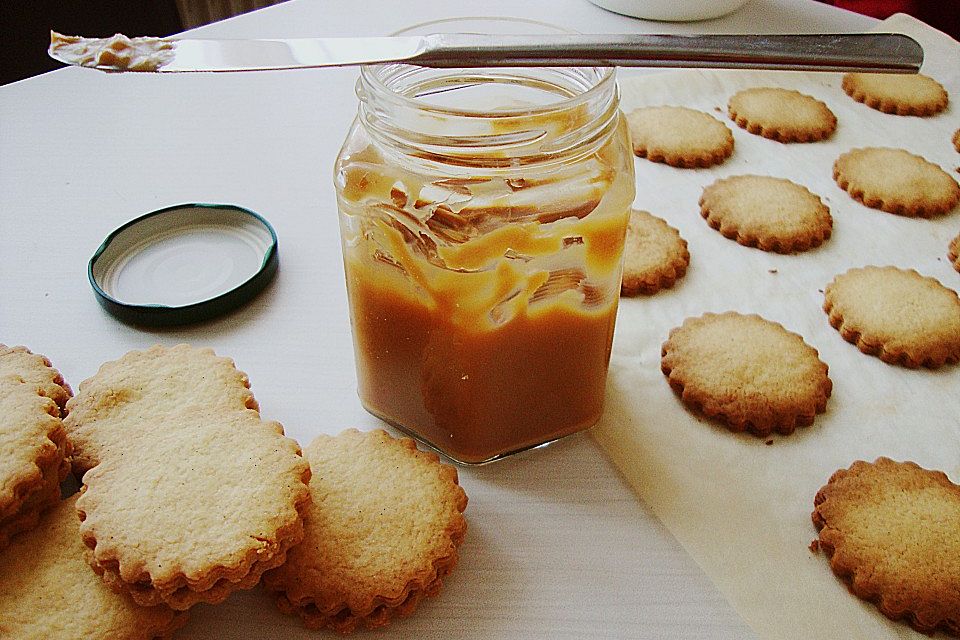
769,213
34,451
784,115
748,372
654,255
383,530
953,252
896,314
193,506
48,591
892,533
896,181
149,382
956,140
679,136
898,94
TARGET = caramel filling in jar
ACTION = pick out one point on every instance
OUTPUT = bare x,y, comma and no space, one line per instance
483,251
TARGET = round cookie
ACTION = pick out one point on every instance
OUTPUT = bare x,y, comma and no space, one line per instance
896,181
897,315
149,382
679,136
892,533
953,252
784,115
896,93
956,140
34,450
382,531
654,255
47,590
192,505
769,213
749,372
35,370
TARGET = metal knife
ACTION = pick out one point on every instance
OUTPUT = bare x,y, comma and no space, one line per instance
881,52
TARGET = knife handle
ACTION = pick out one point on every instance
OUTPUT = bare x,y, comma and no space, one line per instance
867,52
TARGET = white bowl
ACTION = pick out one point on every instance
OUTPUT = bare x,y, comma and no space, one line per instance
673,10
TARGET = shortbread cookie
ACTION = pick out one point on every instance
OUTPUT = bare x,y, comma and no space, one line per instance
897,315
679,136
654,255
145,383
34,451
896,93
35,370
784,115
746,371
953,252
896,181
193,505
892,533
48,592
769,213
956,140
383,530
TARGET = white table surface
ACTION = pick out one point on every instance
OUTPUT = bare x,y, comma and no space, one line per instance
558,546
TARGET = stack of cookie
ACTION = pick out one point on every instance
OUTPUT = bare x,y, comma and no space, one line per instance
188,495
34,451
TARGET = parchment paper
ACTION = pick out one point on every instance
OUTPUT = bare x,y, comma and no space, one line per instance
738,504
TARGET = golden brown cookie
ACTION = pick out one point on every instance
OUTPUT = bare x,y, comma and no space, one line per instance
654,255
953,252
679,136
956,140
149,382
896,181
897,315
784,115
193,506
746,371
769,213
382,531
896,93
34,451
47,590
35,370
892,533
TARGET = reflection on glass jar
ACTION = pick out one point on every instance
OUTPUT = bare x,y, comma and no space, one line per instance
482,214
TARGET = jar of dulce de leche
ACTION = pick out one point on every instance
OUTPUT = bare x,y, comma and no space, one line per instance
482,216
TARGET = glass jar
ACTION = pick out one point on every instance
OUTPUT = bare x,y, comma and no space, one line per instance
482,216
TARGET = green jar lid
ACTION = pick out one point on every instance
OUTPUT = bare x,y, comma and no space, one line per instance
184,264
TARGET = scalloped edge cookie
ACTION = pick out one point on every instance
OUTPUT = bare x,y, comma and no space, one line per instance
897,315
194,505
892,533
383,530
147,383
748,372
784,115
679,136
896,181
655,256
897,94
768,213
41,576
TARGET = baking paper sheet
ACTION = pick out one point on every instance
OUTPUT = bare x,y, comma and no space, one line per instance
741,505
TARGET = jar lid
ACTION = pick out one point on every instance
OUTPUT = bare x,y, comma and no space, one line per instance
183,264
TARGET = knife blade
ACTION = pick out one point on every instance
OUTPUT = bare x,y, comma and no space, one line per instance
866,52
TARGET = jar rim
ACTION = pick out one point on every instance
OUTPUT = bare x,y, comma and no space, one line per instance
372,77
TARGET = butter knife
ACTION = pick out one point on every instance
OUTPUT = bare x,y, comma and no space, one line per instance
873,52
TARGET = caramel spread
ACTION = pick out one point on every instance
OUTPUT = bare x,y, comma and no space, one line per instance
483,307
